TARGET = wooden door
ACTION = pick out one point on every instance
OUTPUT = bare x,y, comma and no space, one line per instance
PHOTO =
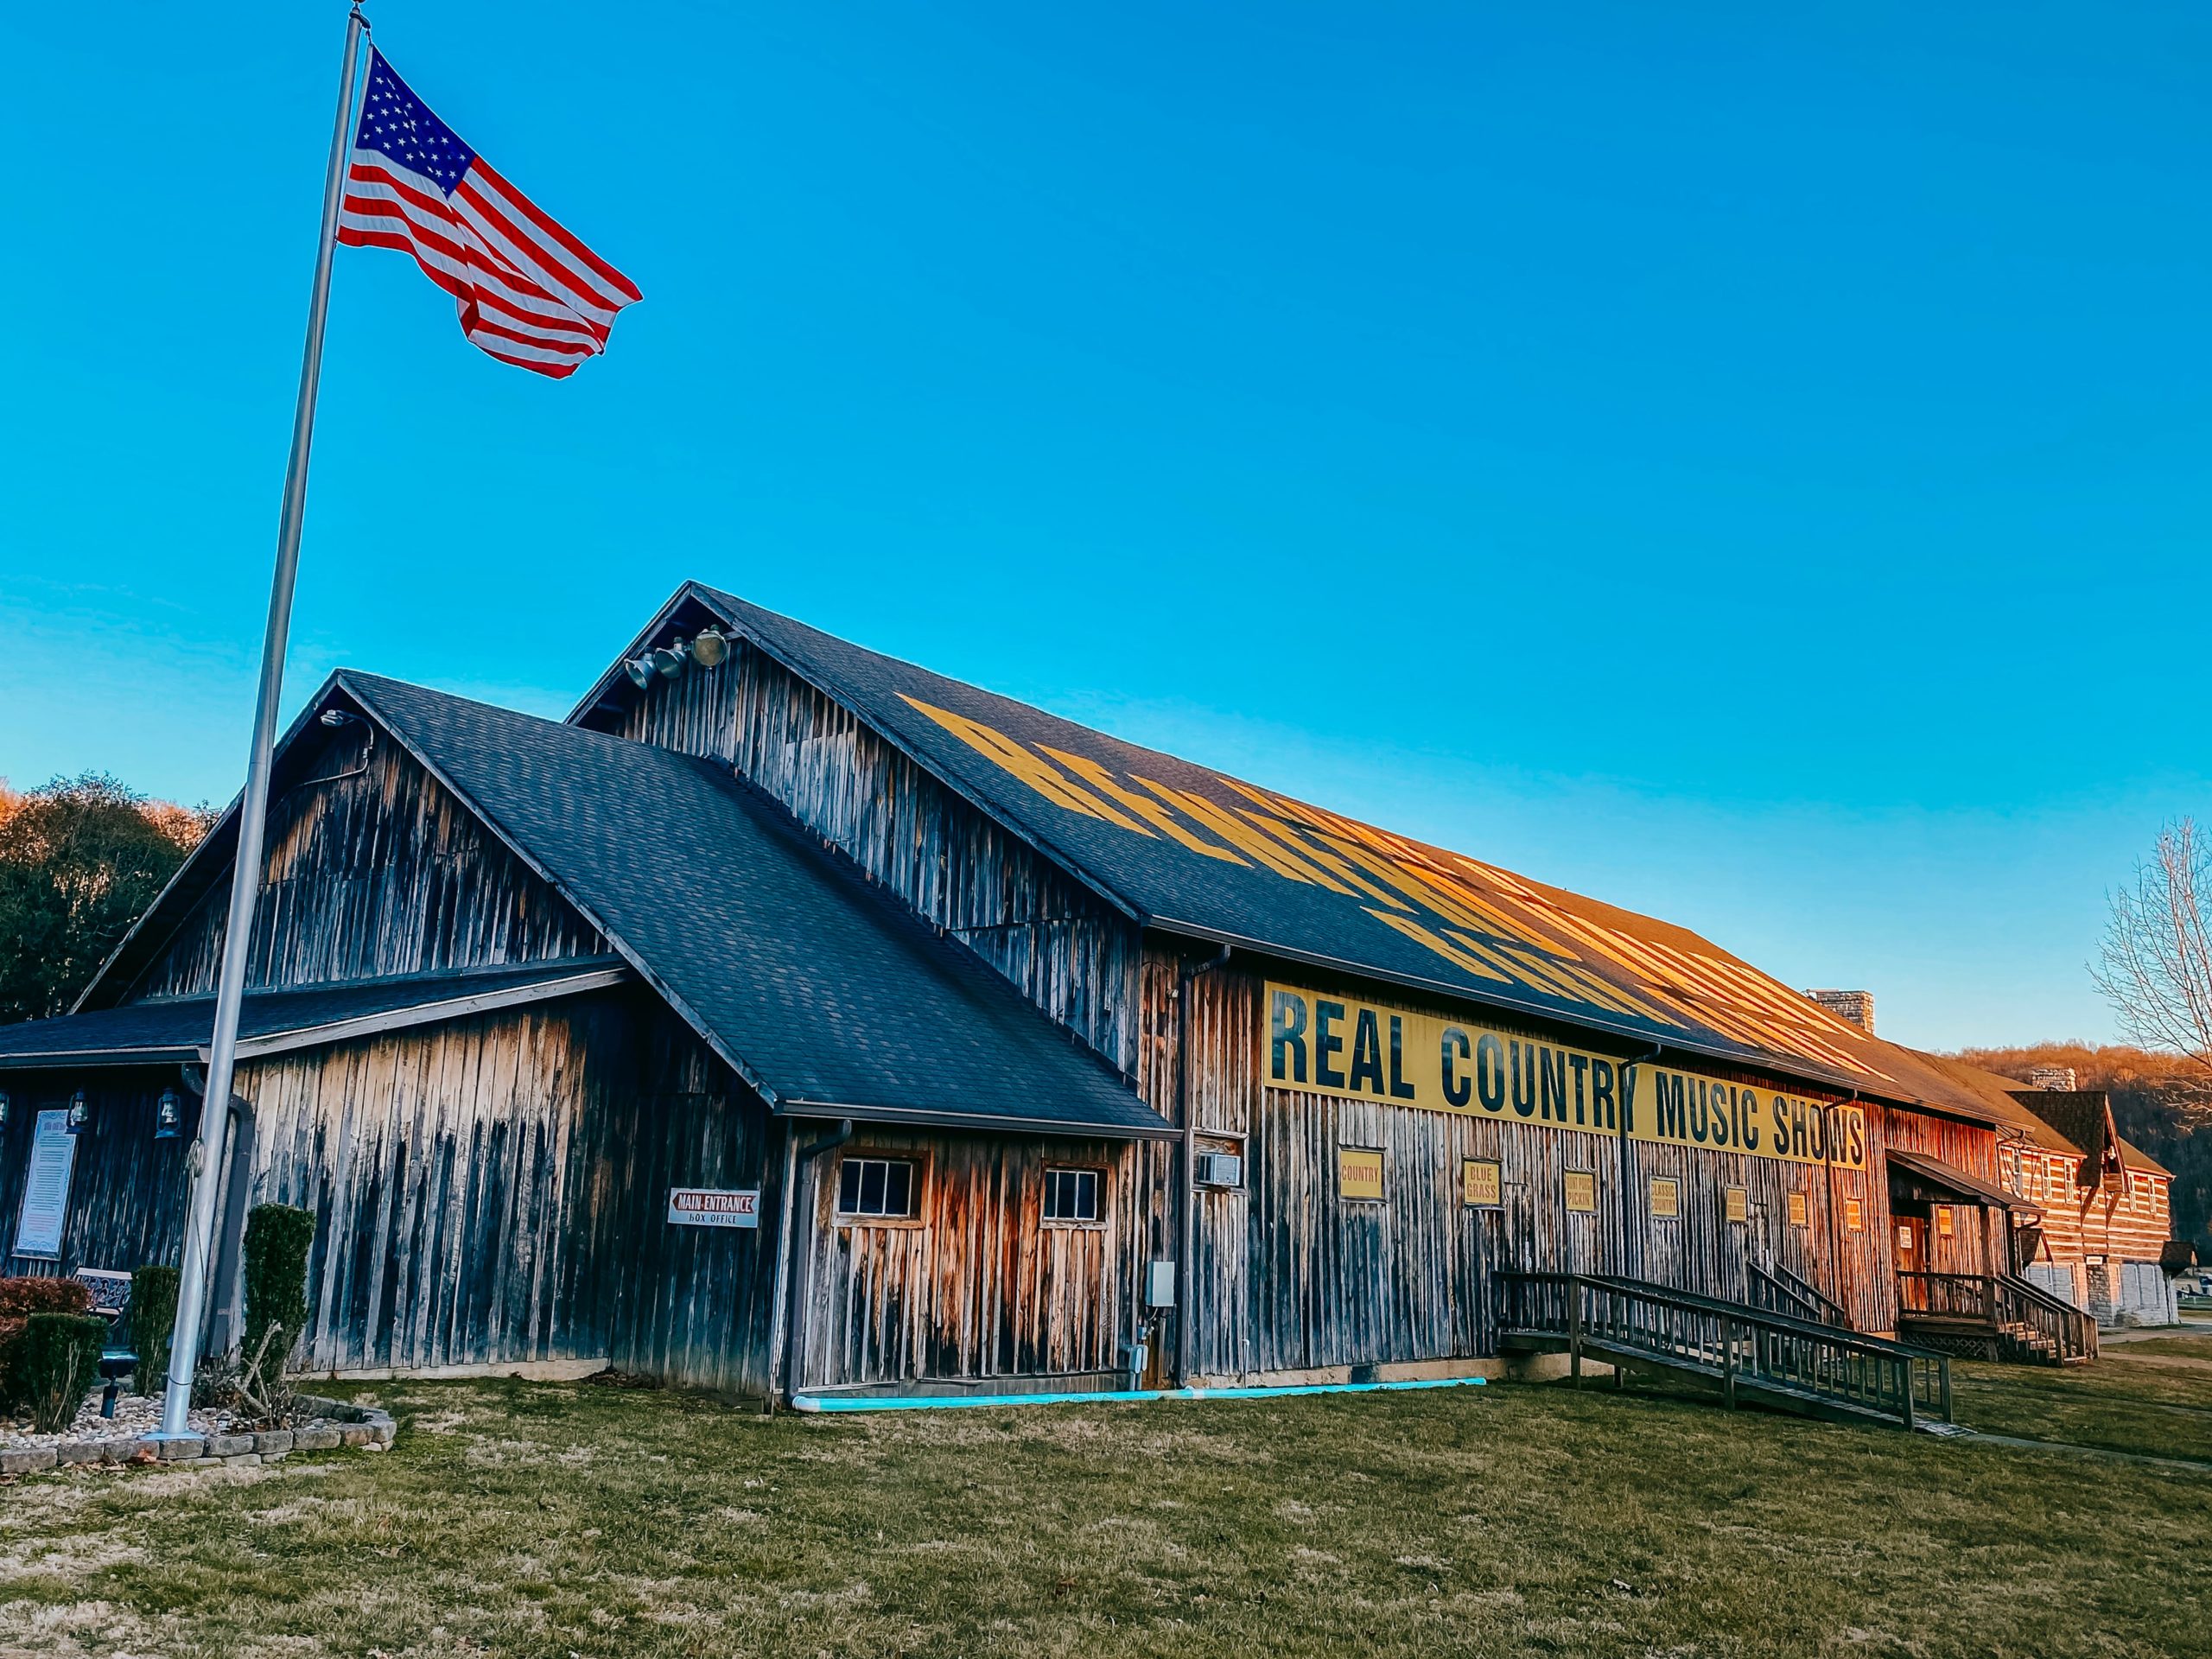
1912,1243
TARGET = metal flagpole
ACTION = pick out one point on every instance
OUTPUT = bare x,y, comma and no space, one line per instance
214,1104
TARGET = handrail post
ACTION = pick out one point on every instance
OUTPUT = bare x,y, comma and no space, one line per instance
1574,1330
1727,1360
1905,1367
1943,1374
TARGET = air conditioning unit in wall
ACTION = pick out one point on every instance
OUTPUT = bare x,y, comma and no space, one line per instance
1219,1169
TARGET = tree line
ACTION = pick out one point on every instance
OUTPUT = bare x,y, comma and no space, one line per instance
80,860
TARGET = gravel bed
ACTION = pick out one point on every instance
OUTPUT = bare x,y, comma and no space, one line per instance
136,1416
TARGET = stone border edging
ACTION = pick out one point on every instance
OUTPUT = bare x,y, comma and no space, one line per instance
345,1425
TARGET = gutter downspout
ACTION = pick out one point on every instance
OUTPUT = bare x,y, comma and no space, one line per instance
1185,1277
234,1171
1835,1239
796,1159
1630,1261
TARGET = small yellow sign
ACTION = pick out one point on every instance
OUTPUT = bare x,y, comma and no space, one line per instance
1359,1173
1854,1215
1801,1214
1483,1181
1737,1203
1581,1191
1943,1222
1665,1196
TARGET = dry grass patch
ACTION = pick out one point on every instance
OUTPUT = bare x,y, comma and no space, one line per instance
545,1520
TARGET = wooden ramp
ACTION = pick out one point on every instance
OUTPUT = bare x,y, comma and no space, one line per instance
1748,1355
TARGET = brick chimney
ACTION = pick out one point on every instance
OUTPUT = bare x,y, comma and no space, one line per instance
2059,1078
1858,1007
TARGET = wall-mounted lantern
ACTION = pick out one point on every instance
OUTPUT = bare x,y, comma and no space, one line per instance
168,1116
80,1113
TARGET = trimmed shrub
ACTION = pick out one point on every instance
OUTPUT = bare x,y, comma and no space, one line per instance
19,1300
57,1363
277,1238
153,1320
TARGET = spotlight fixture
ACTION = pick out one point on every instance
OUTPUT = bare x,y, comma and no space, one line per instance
668,660
80,1113
168,1116
710,647
640,671
334,718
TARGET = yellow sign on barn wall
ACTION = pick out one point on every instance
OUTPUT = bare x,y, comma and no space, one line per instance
1854,1215
1581,1191
1737,1203
1325,1044
1359,1172
1943,1220
1485,1182
1665,1196
1800,1211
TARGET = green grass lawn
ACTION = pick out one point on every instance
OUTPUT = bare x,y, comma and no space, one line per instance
542,1520
2153,1396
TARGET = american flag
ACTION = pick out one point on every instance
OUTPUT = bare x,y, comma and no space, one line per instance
528,293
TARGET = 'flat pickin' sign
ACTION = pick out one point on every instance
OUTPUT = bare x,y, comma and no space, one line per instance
1338,1046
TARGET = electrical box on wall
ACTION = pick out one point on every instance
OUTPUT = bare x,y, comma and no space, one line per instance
1159,1285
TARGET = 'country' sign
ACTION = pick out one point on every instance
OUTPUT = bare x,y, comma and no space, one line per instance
1323,1044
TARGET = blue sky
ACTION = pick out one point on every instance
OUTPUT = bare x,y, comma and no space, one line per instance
1744,462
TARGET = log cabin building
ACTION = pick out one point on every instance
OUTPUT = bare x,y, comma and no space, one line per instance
2102,1240
794,1021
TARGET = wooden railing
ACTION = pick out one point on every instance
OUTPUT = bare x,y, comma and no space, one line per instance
2000,1300
1780,1291
1740,1346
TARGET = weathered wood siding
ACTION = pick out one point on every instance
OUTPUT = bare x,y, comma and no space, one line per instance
978,1285
381,872
693,1305
1071,954
1979,1242
1291,1277
489,1191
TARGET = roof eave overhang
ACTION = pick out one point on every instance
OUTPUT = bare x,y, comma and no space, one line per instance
428,1012
93,1059
933,1117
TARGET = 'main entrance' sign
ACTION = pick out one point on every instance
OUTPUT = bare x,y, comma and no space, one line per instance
1338,1046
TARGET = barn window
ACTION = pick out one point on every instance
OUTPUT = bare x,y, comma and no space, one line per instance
877,1187
1071,1195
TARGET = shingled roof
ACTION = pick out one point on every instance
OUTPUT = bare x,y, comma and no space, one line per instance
164,1029
821,990
1186,849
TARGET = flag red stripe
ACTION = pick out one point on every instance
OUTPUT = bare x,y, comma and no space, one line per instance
446,248
481,213
624,287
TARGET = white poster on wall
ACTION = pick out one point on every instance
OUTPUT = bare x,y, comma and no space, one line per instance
46,1186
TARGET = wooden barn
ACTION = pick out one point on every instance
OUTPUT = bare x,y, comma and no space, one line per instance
794,1021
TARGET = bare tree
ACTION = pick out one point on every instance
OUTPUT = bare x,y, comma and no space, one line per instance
2155,965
